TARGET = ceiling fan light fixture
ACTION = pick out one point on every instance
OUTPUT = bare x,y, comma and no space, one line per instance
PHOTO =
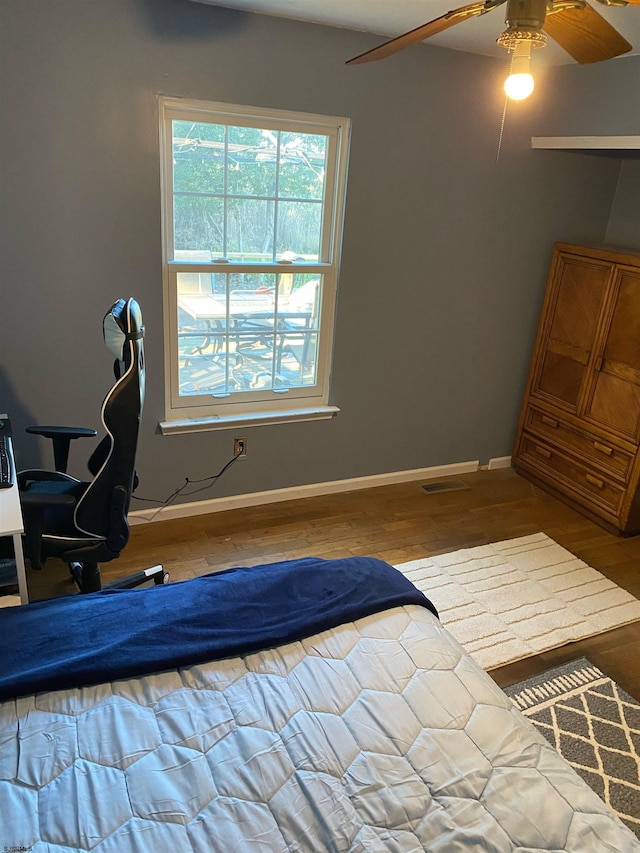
520,83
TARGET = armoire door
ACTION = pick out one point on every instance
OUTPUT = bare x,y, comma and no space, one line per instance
576,292
615,395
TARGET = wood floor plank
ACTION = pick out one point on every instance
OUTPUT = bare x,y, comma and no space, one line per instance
396,523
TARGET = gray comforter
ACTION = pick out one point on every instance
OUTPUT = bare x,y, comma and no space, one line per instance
381,736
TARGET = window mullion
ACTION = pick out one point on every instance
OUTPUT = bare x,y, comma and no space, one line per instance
276,196
225,187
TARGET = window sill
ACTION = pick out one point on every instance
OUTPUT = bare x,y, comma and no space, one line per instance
317,413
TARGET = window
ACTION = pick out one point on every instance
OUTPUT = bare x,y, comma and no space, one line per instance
252,222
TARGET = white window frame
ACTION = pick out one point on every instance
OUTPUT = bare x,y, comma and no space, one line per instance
186,414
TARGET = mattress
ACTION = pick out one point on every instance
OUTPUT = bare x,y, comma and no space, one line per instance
377,734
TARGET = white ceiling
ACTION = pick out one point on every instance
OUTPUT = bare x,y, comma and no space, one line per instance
390,18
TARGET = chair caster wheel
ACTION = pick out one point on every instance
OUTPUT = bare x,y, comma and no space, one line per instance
161,578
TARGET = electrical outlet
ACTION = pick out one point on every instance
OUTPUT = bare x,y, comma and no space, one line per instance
240,447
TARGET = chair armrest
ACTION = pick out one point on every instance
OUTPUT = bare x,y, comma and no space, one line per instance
53,431
61,436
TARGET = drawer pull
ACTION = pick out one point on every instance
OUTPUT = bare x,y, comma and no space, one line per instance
549,421
603,448
599,484
542,451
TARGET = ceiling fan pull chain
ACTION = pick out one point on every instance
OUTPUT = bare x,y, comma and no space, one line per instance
504,115
504,111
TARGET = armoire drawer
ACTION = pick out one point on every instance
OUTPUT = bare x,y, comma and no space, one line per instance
600,452
567,474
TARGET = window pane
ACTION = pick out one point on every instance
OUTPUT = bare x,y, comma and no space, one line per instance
250,230
201,372
198,223
302,166
198,157
236,332
298,318
252,161
300,356
262,282
300,228
261,165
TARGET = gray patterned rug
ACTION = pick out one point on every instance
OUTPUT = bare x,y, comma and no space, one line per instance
594,724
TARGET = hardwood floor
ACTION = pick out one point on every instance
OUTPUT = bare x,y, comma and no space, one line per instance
395,523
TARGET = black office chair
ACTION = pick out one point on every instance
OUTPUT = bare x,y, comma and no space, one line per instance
85,523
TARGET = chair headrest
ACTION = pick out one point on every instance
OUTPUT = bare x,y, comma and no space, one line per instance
122,323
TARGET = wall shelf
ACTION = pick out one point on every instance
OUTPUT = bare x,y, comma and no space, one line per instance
586,143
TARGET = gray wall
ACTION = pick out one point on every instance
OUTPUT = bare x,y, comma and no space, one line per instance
445,250
623,231
602,100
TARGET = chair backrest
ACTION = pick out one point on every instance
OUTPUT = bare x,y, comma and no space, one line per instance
103,508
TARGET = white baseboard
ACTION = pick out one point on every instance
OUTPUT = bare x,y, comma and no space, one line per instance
499,462
184,510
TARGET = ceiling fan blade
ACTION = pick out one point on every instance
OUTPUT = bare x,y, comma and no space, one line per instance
423,32
585,34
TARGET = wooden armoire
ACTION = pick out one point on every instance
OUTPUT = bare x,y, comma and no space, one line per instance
579,430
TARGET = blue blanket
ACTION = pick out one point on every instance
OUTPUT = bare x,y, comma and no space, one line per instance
89,639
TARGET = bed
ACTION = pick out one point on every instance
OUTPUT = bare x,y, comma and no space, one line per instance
310,705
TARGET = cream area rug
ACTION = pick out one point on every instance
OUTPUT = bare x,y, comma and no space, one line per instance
516,598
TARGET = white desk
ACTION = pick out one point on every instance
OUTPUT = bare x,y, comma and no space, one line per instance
11,525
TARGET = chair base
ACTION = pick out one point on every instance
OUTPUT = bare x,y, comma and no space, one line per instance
156,574
87,577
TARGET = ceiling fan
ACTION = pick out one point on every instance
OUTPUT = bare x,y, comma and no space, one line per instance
573,24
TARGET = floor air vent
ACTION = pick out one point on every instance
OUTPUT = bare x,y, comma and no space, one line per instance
445,486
